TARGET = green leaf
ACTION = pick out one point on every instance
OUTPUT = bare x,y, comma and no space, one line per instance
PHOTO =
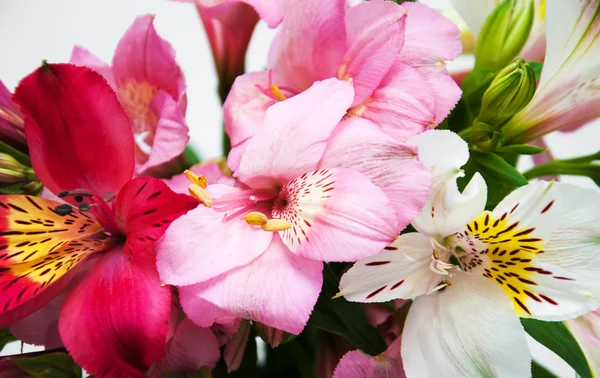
537,68
538,371
49,365
556,337
5,337
191,156
497,168
344,318
460,118
521,149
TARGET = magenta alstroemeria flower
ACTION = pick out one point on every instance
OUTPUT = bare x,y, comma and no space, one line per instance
393,54
11,121
115,321
295,205
229,25
151,89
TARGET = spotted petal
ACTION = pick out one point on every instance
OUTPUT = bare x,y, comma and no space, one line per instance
540,245
401,270
38,246
336,215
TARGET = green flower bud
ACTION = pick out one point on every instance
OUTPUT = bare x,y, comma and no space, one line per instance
504,33
13,172
510,91
273,336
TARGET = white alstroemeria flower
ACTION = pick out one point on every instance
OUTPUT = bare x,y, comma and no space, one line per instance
568,93
473,273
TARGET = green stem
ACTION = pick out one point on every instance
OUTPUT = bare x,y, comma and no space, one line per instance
559,167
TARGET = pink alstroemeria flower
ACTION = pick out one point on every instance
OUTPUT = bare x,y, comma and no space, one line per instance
586,329
115,321
393,54
356,364
151,89
264,240
229,25
11,121
568,94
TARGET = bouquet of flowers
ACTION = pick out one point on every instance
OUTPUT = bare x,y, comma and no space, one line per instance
368,217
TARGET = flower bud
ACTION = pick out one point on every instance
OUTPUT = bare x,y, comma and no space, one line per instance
13,172
504,33
273,336
510,91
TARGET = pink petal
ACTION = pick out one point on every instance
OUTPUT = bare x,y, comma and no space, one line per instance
356,364
229,26
295,132
403,104
171,134
203,244
147,207
445,90
336,215
236,347
278,289
202,312
78,134
82,57
244,110
41,327
10,120
310,43
211,171
272,11
394,167
430,37
375,37
115,322
143,56
190,348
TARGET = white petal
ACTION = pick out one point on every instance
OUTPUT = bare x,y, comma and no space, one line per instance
474,13
541,246
400,271
441,150
467,330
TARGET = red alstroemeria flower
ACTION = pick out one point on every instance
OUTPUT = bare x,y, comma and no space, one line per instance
115,322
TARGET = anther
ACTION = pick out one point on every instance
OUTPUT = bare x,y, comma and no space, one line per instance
447,282
256,219
202,195
196,179
84,206
276,225
436,254
63,209
277,93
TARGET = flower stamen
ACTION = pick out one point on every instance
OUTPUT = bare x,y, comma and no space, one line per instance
196,179
202,195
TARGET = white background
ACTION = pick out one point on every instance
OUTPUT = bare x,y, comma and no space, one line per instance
32,30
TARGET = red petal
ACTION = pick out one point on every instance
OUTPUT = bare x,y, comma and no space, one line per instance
78,134
115,323
147,207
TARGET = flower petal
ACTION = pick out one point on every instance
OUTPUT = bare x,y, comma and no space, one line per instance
295,132
202,312
541,247
401,270
403,105
470,328
375,37
217,246
39,246
272,11
148,207
278,289
41,327
336,215
445,90
356,364
359,144
82,57
430,37
115,322
78,134
143,56
190,348
310,43
171,134
447,210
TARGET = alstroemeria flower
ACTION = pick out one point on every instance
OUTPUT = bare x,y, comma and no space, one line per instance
568,94
534,256
356,364
264,240
115,321
586,329
229,25
11,121
151,89
393,54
